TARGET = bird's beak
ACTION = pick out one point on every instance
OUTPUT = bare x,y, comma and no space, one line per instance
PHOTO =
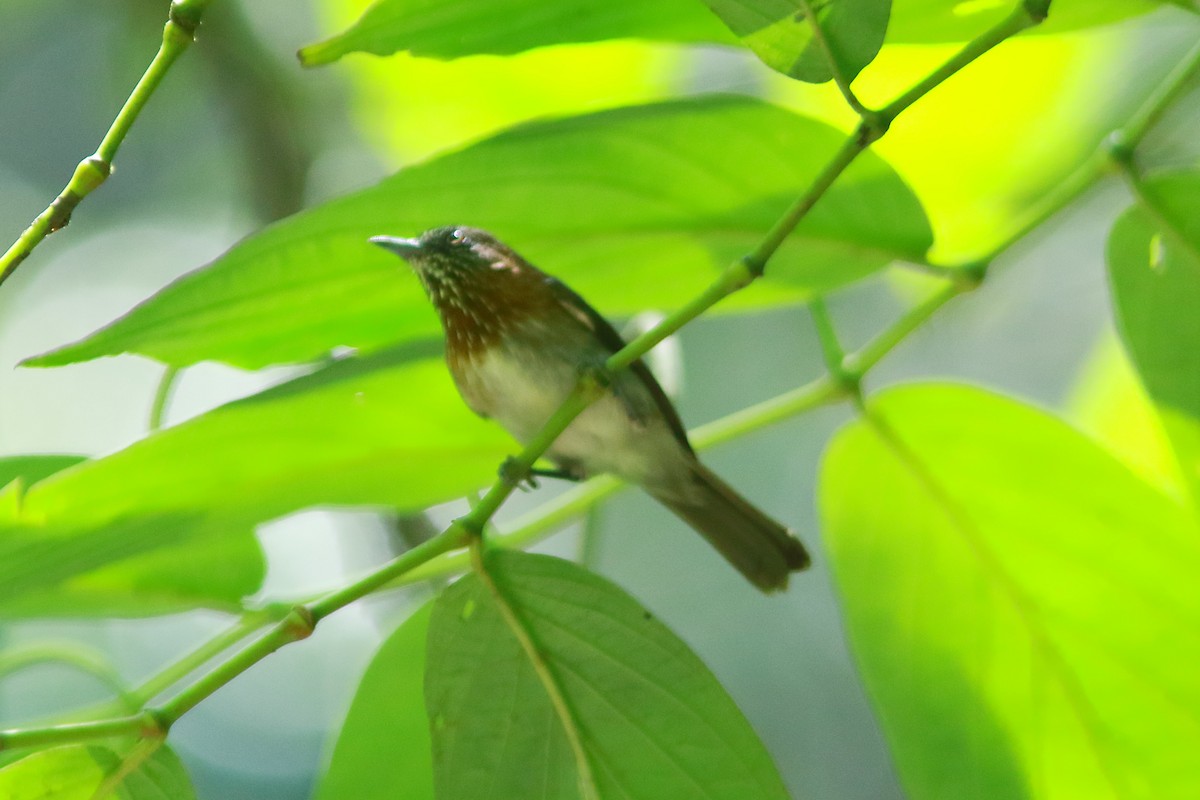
405,248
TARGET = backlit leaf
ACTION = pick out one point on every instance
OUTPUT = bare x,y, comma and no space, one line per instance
75,772
383,748
651,721
781,34
634,208
1022,606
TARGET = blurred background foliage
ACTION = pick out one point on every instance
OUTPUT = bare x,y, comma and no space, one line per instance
240,136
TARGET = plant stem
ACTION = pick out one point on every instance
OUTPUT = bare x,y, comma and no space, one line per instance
210,649
73,732
298,624
858,364
1124,141
161,396
831,348
1024,16
73,655
178,34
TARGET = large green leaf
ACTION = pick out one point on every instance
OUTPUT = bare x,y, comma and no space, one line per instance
386,430
444,29
31,469
171,517
1154,269
1154,266
1022,606
649,719
152,564
75,772
635,208
105,565
383,748
781,34
456,28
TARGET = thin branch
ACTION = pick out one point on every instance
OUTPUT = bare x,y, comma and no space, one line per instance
76,656
1024,16
1125,140
857,364
178,34
162,396
831,347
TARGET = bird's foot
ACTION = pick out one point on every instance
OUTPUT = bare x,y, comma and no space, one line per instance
514,473
595,377
562,474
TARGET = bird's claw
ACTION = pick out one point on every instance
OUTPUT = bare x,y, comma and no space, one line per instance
515,473
595,374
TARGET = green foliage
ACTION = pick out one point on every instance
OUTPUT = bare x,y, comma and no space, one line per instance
637,706
31,469
75,772
1154,264
781,34
456,28
687,186
147,564
444,29
383,749
1020,602
1015,596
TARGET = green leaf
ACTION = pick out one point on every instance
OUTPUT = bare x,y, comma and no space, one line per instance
456,28
1154,266
781,34
929,21
75,772
154,564
650,719
443,29
31,469
634,208
383,748
168,522
1154,269
1022,606
386,430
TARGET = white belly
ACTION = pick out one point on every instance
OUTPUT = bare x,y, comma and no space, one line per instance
601,439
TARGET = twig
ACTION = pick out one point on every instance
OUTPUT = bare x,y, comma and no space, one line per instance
178,34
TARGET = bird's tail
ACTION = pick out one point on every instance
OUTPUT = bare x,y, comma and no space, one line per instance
758,546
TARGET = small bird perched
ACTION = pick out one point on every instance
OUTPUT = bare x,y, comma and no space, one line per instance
516,343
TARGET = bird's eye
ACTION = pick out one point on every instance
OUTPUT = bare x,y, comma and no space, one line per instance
458,237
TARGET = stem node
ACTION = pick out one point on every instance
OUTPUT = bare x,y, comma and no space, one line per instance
186,15
1037,9
873,126
300,623
155,724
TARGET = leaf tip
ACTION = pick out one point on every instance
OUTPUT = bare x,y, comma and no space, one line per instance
321,53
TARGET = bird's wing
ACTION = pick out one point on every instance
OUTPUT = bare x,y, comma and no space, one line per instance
578,308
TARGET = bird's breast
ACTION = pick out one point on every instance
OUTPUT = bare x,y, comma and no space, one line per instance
522,387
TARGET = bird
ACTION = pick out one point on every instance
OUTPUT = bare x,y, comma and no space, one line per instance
517,342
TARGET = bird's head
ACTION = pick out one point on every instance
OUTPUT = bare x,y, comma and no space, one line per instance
479,286
450,258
